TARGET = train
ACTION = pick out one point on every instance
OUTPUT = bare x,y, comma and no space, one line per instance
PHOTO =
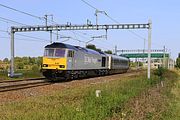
67,62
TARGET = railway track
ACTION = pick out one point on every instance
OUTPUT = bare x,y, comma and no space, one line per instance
12,85
19,80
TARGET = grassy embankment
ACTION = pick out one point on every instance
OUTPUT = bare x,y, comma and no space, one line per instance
173,95
159,102
80,103
25,74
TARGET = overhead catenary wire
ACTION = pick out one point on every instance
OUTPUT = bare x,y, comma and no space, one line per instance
79,35
88,39
26,13
3,31
111,18
21,11
82,34
89,4
69,38
12,21
87,34
26,36
25,39
41,18
137,35
32,37
19,23
42,38
134,33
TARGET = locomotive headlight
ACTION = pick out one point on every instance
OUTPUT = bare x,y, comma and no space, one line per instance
45,65
62,66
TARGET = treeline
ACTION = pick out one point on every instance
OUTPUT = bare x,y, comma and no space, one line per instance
28,63
93,47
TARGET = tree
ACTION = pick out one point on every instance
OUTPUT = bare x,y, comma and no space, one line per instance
18,59
39,61
178,62
6,60
35,68
31,60
20,65
93,47
99,50
25,60
108,52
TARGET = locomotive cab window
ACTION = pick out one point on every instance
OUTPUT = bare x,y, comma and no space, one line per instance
59,53
70,53
54,53
49,52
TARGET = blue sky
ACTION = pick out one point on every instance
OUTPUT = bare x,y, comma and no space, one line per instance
164,15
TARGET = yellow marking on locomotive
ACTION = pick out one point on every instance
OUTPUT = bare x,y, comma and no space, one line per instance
54,63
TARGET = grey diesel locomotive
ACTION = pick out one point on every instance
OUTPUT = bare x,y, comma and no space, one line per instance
64,61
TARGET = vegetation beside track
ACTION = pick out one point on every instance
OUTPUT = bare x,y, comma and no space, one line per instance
28,66
81,103
173,100
157,102
25,74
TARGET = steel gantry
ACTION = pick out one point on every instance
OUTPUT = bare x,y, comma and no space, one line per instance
78,27
75,27
138,51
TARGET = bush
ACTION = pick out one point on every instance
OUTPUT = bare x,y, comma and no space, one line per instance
20,65
178,63
35,68
160,72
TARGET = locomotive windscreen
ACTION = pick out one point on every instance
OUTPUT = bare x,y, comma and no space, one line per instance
54,52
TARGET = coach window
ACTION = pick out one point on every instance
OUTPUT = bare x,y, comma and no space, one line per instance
70,53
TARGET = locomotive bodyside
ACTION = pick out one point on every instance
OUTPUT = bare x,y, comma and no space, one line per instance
86,59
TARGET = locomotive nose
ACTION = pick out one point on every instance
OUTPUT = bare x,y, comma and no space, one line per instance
54,63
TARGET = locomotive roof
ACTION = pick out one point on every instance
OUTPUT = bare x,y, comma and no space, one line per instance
62,45
89,50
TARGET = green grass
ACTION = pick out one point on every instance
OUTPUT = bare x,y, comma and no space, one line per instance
78,103
3,74
30,73
25,74
156,103
173,101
